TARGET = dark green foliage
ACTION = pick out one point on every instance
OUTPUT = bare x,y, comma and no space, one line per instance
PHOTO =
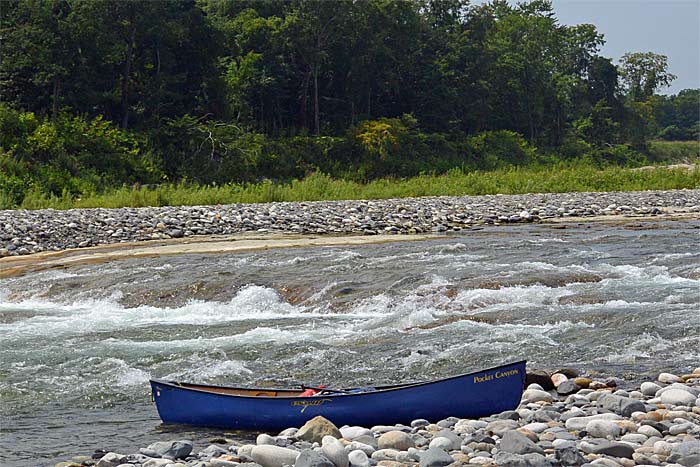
69,154
100,93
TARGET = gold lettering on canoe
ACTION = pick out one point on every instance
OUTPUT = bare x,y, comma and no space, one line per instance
310,403
495,375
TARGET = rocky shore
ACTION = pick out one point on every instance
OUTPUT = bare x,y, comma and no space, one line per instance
27,232
563,420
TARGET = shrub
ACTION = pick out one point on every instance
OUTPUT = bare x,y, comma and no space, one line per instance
500,148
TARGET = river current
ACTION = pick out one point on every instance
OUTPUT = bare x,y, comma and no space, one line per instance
78,346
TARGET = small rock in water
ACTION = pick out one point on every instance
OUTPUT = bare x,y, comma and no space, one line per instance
171,449
111,459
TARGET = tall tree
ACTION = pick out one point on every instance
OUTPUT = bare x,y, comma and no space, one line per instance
643,73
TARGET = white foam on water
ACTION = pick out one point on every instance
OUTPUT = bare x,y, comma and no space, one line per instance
513,297
540,241
262,335
251,302
208,368
641,347
121,374
654,275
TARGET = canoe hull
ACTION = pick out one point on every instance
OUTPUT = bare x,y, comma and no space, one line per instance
467,396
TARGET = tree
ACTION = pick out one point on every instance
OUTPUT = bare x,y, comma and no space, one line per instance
643,73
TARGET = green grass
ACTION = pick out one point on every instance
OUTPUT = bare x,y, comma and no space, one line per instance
550,179
674,151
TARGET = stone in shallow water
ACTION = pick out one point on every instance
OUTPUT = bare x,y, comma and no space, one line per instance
111,459
171,449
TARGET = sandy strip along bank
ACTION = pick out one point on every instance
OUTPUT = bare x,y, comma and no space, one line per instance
19,265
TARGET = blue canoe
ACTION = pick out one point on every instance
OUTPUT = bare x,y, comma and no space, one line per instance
470,395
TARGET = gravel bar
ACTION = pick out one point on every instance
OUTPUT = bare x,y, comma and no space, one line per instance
25,232
564,419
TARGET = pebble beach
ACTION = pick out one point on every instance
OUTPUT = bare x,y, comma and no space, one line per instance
27,232
563,420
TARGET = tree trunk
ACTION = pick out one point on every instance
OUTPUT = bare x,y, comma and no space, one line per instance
369,102
56,93
127,72
317,124
305,99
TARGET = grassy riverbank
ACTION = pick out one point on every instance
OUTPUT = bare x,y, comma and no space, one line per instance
551,179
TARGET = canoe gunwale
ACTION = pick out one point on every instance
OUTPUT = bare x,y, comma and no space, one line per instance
378,389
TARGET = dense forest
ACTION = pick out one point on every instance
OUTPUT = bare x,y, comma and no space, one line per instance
96,94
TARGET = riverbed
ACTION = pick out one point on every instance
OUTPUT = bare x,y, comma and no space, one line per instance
80,343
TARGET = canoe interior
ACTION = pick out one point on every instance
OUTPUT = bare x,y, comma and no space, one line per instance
260,392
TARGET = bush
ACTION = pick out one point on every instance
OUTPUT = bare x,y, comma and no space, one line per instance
495,149
71,155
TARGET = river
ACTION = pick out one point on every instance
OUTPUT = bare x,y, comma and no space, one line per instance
78,346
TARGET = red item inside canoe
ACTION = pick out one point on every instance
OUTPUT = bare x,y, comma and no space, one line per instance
311,392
